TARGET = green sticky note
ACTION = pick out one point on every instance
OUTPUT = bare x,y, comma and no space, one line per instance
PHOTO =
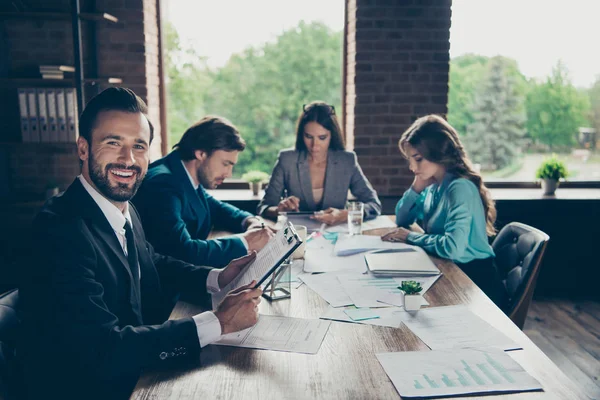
361,314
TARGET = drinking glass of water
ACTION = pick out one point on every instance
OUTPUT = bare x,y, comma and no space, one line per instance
355,217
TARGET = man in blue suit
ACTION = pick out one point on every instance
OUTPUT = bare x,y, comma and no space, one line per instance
178,213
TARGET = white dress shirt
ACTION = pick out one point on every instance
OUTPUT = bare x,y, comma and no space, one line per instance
207,323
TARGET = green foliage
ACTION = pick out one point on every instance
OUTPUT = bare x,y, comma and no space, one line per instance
255,176
555,110
261,90
496,133
410,287
552,168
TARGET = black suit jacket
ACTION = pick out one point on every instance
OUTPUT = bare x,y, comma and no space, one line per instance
88,329
178,219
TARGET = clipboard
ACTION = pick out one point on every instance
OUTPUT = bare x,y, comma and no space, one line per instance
278,249
290,236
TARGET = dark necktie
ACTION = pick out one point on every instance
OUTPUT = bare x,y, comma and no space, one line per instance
132,256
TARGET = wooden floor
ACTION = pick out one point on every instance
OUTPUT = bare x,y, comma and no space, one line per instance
568,331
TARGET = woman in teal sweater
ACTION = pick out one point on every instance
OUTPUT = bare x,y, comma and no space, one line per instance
449,197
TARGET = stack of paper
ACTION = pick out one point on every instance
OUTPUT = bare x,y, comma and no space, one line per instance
348,245
411,261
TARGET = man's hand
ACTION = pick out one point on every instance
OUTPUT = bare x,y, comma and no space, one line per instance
331,216
257,223
291,203
239,309
257,238
397,235
233,269
419,184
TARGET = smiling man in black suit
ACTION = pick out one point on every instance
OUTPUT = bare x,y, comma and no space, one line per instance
96,297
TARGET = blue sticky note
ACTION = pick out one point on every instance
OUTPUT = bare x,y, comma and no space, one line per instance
361,314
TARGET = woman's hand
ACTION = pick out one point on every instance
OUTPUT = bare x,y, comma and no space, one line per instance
331,216
419,184
291,203
397,235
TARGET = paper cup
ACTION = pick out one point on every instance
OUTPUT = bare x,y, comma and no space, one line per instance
299,252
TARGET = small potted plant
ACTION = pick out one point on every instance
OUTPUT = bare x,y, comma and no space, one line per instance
550,172
255,178
412,295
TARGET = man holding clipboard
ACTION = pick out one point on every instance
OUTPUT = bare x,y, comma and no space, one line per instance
278,249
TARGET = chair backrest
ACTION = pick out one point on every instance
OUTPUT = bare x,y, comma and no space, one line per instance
519,250
10,377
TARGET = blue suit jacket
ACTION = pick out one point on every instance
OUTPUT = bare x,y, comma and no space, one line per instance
177,219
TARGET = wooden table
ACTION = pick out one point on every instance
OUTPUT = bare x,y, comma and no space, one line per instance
345,366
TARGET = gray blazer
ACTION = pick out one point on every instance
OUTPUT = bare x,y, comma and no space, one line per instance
292,172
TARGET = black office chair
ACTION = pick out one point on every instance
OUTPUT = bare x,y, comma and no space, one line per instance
10,378
519,250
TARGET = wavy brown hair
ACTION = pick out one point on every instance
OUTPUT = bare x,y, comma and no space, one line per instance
438,142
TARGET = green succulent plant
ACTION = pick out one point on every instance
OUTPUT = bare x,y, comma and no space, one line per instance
255,176
410,287
552,168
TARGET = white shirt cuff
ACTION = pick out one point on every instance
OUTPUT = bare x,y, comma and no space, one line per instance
212,281
208,328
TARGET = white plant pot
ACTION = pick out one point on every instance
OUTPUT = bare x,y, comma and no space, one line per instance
255,186
549,186
412,302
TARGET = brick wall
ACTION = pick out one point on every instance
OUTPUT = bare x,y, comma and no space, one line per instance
397,65
128,49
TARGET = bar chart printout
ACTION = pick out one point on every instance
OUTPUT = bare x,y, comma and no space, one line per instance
441,373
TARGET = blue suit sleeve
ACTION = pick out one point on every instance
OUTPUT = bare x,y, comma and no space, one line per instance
167,231
410,207
453,242
364,192
225,216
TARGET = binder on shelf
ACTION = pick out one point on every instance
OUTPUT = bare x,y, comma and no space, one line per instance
42,114
25,135
71,115
61,116
34,127
56,68
52,120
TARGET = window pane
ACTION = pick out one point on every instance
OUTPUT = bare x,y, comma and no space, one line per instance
256,67
524,87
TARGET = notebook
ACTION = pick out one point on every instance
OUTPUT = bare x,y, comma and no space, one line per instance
348,245
411,261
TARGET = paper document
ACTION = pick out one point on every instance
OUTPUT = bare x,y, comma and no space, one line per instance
329,288
379,222
319,258
348,245
440,373
279,333
387,316
455,327
368,290
277,249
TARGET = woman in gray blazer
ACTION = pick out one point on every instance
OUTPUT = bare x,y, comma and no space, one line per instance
318,173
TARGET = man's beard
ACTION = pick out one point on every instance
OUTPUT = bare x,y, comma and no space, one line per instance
119,193
204,179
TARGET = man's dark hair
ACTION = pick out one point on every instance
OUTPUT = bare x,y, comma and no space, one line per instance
209,134
111,99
